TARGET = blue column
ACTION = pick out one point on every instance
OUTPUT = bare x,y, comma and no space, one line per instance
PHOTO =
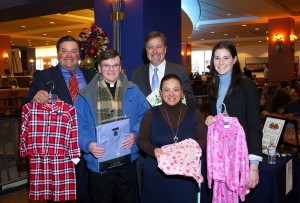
143,16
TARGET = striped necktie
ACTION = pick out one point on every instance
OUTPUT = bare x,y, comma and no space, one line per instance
155,80
73,86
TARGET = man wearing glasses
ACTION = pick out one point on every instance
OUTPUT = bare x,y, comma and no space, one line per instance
68,57
108,96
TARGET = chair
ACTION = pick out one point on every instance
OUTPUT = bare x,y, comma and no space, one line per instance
4,101
9,151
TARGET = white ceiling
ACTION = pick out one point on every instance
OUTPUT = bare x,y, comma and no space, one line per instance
213,18
215,24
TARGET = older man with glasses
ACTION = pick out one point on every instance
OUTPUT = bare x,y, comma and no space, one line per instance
108,96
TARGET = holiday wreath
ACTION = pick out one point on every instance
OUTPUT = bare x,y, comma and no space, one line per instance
93,41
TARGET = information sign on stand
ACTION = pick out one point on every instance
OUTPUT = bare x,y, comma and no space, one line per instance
272,130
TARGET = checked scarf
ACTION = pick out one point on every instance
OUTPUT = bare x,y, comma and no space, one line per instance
107,107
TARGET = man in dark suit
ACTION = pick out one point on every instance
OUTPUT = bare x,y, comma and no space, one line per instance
68,57
156,48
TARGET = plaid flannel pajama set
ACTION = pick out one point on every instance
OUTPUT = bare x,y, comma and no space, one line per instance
49,136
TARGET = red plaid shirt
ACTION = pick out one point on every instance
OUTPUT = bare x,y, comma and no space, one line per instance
49,129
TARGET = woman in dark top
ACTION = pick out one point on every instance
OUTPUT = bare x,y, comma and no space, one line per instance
241,98
159,127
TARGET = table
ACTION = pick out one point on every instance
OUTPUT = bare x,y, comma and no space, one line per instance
295,120
11,100
271,187
271,86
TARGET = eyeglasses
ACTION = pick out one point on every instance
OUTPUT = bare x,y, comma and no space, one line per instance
65,51
115,66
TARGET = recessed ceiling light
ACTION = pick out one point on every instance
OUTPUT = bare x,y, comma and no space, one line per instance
257,28
225,34
244,25
237,44
44,34
189,37
51,22
229,14
259,41
267,31
212,32
23,26
69,31
12,44
47,41
202,39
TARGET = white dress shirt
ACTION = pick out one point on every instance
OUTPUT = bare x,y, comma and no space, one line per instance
160,72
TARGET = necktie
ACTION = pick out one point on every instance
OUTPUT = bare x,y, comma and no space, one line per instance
155,80
73,86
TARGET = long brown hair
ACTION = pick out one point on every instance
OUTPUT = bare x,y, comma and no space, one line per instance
236,70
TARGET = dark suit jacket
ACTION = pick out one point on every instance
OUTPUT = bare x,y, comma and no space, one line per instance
54,74
244,104
140,76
